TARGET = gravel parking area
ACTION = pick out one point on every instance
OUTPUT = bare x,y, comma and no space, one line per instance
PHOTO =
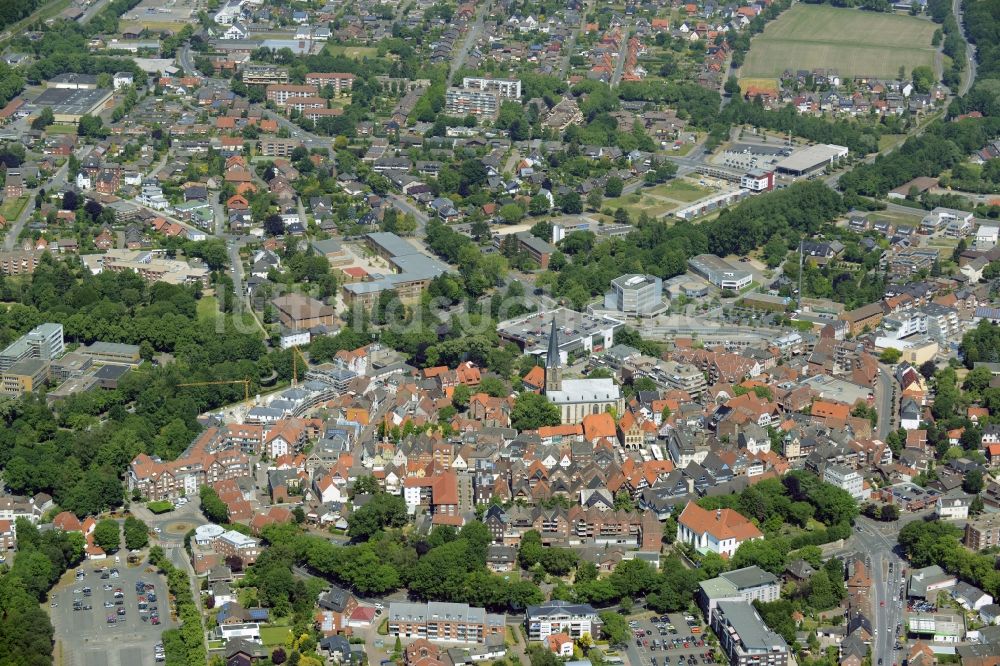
654,643
85,638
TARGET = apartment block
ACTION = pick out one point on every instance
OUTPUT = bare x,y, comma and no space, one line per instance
233,543
280,93
558,616
438,621
202,464
982,532
505,88
744,638
460,102
340,82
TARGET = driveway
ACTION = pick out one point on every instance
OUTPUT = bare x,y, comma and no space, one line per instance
84,637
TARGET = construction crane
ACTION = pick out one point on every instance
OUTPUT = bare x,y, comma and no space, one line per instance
245,382
296,355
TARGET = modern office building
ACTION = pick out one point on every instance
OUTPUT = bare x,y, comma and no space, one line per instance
635,294
719,272
24,376
744,638
112,352
746,584
45,341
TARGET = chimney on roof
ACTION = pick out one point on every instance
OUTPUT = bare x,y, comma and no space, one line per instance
718,514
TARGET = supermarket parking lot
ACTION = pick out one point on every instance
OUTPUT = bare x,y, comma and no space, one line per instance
84,636
656,646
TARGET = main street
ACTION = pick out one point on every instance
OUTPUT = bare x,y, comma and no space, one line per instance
469,42
885,401
885,568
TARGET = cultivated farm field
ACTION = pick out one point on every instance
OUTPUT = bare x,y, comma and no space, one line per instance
851,42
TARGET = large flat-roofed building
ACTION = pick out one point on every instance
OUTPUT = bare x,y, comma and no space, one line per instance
148,266
506,88
439,621
746,584
299,312
459,102
24,376
561,617
70,104
744,637
45,342
414,271
719,272
811,160
578,333
73,81
635,294
938,627
113,352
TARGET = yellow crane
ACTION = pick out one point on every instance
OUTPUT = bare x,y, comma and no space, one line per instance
245,382
296,355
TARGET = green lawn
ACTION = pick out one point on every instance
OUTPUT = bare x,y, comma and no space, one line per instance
274,635
638,203
208,308
851,42
889,140
159,507
11,208
60,129
681,190
356,52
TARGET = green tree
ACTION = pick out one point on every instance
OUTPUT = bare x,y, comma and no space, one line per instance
380,512
107,535
614,627
136,533
532,411
511,213
43,119
890,356
973,482
460,396
213,508
613,187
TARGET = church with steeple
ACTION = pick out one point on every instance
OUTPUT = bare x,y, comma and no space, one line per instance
577,398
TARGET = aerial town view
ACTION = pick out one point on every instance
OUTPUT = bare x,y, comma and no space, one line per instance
500,332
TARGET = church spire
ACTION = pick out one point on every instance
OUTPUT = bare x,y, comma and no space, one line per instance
553,362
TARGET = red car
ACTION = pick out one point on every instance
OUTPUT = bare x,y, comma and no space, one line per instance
882,604
687,645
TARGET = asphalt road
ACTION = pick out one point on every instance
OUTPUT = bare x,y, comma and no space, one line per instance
885,402
886,611
970,50
470,40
